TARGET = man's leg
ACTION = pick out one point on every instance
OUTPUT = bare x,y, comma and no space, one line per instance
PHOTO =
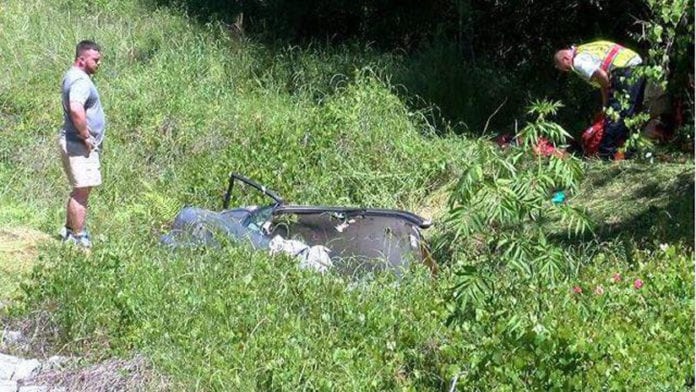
77,209
616,132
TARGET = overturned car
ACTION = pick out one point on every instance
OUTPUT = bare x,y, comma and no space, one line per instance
349,240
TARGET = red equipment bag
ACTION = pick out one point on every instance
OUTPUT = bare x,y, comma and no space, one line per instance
592,136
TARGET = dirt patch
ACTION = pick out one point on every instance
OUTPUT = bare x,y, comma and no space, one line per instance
135,374
20,243
434,206
19,250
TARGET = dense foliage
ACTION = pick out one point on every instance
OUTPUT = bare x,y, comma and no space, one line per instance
527,297
501,210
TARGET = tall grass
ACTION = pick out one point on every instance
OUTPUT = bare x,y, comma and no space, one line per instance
235,319
186,104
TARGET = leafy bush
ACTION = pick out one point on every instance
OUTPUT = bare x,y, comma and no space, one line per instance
501,208
623,322
540,314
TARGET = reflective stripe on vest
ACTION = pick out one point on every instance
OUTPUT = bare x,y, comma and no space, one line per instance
610,57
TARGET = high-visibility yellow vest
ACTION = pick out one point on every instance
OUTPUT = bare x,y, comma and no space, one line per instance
606,55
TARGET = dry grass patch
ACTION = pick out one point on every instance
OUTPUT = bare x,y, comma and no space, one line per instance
19,250
434,206
135,374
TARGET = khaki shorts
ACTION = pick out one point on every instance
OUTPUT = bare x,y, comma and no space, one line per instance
83,170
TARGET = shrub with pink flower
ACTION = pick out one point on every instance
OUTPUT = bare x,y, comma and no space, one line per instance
616,278
637,284
577,290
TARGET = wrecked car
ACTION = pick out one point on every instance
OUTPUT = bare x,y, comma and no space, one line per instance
349,240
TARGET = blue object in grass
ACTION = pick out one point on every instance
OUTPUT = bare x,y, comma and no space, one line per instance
558,197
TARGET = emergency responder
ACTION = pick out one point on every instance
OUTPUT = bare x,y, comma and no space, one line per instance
610,67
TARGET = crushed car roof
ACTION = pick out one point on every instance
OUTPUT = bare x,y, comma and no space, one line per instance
350,240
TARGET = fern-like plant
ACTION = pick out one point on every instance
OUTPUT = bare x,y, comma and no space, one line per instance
501,215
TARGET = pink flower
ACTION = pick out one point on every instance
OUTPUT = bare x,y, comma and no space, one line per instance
616,278
577,290
599,290
638,284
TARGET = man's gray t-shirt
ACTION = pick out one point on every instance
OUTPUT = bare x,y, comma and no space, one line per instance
77,86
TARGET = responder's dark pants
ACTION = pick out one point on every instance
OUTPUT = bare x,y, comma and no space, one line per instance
616,132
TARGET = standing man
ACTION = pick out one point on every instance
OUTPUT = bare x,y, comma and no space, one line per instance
81,138
608,66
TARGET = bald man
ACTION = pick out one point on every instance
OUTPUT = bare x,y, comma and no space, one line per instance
609,67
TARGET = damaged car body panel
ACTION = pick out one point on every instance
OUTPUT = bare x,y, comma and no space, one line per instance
353,241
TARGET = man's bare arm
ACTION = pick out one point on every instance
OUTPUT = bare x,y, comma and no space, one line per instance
602,78
79,120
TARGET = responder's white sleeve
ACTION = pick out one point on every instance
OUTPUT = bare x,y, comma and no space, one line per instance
586,65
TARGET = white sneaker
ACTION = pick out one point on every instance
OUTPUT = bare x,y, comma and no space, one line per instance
80,239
